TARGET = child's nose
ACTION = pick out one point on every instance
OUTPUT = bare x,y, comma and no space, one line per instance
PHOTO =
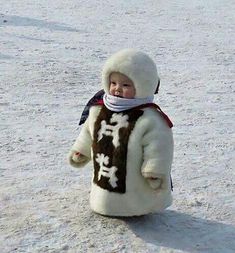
118,87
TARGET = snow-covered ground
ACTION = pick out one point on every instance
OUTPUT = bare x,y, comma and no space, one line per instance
51,55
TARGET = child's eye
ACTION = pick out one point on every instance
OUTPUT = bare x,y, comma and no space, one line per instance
126,85
112,82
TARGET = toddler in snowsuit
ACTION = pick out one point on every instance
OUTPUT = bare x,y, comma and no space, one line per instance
129,140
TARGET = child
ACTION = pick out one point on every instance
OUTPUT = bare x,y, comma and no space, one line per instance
129,140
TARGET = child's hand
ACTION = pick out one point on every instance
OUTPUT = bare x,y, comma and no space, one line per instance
154,182
77,157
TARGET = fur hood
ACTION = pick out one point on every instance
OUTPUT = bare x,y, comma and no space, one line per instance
136,65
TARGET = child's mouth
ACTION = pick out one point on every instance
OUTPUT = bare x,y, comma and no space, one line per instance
118,96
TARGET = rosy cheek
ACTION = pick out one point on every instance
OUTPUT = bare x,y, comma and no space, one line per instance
111,91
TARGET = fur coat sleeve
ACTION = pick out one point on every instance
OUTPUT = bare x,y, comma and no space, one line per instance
157,143
82,145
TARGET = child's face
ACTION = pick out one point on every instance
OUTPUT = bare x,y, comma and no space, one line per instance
121,86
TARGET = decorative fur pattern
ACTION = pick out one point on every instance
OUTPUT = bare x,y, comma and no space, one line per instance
111,135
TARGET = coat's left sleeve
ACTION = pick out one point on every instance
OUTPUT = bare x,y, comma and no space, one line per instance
158,145
82,145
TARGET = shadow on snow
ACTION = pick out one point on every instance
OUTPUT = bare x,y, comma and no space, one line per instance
184,232
25,21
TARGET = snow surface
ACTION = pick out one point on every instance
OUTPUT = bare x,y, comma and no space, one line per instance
51,55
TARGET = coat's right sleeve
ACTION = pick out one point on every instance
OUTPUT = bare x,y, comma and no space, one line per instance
82,145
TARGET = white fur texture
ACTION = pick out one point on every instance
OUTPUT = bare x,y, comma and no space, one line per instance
136,65
150,153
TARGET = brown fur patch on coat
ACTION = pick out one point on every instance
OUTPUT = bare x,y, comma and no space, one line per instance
117,156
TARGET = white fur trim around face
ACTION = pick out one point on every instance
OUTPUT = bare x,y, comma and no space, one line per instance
136,65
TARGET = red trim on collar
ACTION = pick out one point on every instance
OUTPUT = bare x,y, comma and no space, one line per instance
155,106
99,102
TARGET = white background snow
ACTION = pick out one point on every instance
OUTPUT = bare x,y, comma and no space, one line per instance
51,55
